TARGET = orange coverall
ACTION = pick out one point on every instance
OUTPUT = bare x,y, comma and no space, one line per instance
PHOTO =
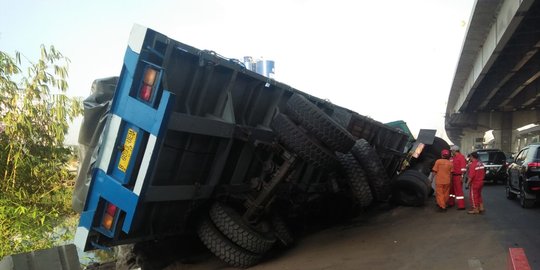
443,171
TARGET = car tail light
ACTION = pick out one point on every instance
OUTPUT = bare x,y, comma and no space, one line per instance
147,87
533,165
108,216
535,188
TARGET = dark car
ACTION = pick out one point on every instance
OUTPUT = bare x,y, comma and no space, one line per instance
495,165
524,176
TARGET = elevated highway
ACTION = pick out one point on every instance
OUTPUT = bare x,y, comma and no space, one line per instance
497,81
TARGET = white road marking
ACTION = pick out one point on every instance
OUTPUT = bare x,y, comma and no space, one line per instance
475,264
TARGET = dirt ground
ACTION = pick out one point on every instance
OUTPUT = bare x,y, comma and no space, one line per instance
400,238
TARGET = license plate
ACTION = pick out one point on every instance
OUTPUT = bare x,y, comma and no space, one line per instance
129,143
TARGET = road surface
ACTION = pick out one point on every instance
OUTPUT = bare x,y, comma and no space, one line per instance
410,238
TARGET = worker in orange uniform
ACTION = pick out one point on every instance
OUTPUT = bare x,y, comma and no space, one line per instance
456,187
442,170
475,181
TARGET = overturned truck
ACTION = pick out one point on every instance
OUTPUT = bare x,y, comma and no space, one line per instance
189,142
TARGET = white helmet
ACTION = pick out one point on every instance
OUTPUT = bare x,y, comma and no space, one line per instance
454,148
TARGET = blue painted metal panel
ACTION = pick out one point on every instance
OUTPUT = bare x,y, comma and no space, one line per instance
105,187
145,119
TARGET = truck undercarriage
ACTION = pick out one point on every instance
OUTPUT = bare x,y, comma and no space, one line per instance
197,144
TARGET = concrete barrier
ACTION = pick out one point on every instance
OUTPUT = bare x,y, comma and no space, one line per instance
517,260
58,258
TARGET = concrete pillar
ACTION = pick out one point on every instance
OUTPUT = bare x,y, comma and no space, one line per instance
471,140
503,134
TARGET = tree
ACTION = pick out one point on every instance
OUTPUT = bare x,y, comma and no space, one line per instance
35,113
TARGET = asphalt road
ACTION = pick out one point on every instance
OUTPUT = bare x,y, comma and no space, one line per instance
411,238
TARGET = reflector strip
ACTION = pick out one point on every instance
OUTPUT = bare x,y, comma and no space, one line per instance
136,38
145,163
81,234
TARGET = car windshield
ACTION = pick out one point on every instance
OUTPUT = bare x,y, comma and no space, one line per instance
492,157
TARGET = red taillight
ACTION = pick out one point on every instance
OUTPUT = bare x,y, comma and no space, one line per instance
534,165
108,217
535,188
149,79
111,209
146,92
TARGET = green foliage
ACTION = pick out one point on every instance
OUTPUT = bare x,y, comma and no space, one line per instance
34,180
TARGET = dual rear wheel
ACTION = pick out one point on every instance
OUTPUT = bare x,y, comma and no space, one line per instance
234,240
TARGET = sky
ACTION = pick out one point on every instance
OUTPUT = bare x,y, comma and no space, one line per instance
389,60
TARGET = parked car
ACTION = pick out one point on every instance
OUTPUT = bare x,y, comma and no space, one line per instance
495,165
524,176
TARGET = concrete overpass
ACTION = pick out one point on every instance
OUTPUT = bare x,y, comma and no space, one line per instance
497,81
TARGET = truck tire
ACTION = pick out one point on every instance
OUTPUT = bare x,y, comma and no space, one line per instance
322,126
300,143
282,231
378,180
424,164
421,177
223,248
356,178
523,201
509,194
409,191
436,147
231,224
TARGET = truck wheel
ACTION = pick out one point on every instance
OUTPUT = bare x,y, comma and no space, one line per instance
223,248
282,231
356,178
409,191
424,164
509,194
524,202
231,224
378,180
421,177
435,149
300,143
322,126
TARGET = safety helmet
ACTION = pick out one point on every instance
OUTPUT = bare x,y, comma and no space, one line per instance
445,153
454,148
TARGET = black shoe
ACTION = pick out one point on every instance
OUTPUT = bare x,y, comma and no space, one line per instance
461,209
440,209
